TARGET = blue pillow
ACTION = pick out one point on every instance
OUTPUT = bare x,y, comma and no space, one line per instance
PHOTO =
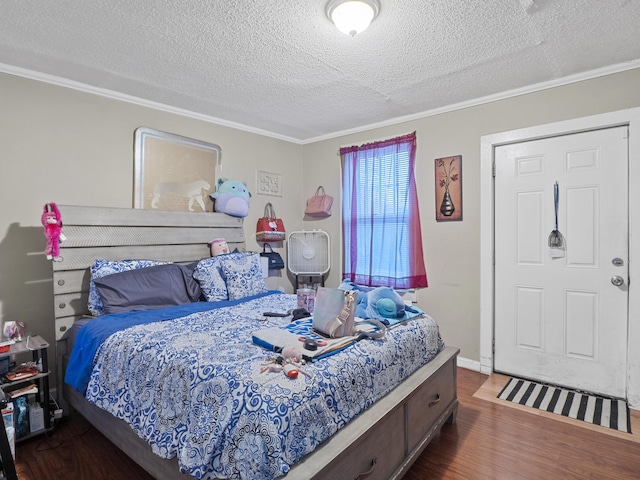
148,288
100,268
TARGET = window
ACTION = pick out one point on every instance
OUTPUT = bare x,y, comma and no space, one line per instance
380,215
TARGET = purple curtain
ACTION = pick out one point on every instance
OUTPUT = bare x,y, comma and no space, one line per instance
381,219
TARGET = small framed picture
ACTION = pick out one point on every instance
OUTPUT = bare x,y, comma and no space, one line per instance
448,188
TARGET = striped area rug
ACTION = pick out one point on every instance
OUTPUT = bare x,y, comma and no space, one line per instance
604,411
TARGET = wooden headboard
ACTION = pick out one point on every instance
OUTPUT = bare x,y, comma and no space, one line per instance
126,233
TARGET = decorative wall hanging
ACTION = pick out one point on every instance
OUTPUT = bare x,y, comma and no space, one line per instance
269,184
174,172
448,175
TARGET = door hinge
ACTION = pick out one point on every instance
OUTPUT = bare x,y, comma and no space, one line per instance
493,346
493,169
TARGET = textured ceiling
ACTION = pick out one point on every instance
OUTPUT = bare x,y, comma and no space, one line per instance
280,66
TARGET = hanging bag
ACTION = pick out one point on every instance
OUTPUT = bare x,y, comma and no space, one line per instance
269,227
274,259
319,205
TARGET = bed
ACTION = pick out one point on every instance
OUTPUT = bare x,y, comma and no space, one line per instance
248,423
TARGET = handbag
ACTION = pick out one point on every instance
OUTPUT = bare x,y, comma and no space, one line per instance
320,204
334,311
270,228
334,316
274,259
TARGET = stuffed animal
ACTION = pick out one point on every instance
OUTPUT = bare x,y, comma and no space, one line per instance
380,303
218,246
231,197
52,223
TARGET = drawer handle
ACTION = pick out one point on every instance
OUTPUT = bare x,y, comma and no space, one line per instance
435,400
362,475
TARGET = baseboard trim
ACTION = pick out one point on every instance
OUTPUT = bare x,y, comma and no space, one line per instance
469,364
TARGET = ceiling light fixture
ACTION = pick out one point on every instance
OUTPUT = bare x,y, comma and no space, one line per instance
352,16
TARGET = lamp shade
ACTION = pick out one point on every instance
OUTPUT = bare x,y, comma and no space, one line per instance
352,16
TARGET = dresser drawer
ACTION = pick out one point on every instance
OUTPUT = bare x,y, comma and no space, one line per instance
428,403
384,443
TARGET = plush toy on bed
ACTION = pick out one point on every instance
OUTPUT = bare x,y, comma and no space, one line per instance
218,246
380,303
231,197
52,223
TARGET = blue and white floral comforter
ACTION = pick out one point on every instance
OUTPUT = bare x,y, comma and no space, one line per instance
192,387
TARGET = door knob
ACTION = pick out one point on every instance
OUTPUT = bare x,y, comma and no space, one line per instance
617,280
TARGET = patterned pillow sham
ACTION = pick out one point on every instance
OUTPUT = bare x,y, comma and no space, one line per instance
243,275
100,268
207,273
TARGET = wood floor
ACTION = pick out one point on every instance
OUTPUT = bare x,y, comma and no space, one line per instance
488,441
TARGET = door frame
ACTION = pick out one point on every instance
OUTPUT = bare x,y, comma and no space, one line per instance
488,143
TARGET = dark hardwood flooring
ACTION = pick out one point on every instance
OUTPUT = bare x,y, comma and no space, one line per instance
488,441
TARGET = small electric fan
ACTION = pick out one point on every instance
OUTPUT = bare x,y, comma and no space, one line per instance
308,253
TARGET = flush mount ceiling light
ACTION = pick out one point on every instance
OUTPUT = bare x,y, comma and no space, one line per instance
352,16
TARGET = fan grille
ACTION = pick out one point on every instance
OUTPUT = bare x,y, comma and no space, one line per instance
308,252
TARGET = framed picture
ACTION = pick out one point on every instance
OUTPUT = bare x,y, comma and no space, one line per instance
174,172
448,176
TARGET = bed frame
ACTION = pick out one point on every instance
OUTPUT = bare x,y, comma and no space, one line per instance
382,442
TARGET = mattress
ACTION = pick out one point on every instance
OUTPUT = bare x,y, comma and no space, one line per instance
195,387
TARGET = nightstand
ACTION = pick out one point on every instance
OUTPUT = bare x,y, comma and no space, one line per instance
39,354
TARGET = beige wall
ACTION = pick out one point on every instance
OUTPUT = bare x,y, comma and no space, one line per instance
452,250
62,145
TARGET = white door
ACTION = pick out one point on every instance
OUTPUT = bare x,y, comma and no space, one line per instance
563,319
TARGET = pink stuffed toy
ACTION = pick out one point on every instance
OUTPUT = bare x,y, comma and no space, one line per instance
53,231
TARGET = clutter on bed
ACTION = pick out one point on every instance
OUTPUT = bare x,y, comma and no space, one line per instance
269,227
319,205
231,197
314,346
382,303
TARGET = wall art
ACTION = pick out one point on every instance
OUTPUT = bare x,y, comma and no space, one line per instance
173,172
448,176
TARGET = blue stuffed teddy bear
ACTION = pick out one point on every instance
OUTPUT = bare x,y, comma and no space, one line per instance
231,197
380,303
